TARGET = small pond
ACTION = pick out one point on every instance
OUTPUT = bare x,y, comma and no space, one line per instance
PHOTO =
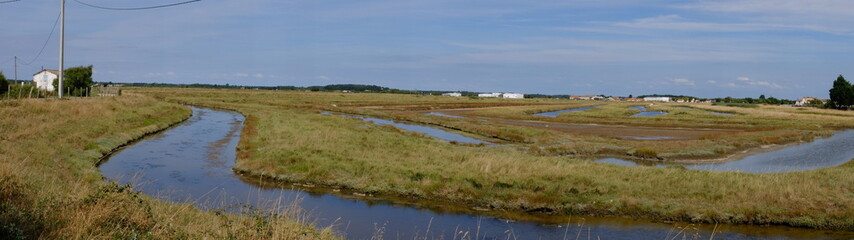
555,113
645,113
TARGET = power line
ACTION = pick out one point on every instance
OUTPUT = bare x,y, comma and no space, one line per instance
136,8
45,42
10,1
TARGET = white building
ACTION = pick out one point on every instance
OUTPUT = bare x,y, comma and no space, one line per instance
657,99
495,95
452,94
586,97
44,79
804,101
512,95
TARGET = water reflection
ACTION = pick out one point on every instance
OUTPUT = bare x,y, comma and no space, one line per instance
429,131
645,113
192,163
821,153
555,113
444,115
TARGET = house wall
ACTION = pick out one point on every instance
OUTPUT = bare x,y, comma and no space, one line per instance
513,95
44,80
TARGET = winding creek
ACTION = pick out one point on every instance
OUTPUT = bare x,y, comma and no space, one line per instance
821,153
555,113
192,163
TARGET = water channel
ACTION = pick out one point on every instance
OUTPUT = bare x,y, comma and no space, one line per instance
555,113
821,153
192,163
426,130
645,113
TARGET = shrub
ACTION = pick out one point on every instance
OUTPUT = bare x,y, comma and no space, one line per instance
646,153
4,85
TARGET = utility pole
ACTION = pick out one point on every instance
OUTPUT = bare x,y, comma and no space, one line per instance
16,68
61,44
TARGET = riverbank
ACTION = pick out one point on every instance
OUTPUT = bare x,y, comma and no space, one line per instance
50,186
286,138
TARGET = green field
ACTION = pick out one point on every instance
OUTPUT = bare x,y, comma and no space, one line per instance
536,169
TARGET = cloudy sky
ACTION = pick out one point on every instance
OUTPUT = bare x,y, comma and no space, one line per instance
739,48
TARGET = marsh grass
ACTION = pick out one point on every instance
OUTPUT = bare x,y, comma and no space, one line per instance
290,141
50,187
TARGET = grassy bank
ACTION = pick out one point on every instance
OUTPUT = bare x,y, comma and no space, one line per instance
50,187
285,137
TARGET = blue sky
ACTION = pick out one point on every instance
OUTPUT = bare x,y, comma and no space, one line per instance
739,48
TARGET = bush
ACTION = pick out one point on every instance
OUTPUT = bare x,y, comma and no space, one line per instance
646,153
77,79
4,84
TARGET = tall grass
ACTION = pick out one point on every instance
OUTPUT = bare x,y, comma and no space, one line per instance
290,141
51,189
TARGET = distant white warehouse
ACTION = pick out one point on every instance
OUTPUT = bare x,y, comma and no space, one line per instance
657,99
452,94
502,95
513,95
44,79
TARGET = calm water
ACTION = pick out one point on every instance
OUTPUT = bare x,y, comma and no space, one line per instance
722,114
444,115
429,131
645,113
821,153
555,113
192,163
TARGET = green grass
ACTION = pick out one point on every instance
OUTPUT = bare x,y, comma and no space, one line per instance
50,187
286,138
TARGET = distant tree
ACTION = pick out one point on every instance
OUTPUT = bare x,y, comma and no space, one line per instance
630,96
77,79
842,94
4,84
772,100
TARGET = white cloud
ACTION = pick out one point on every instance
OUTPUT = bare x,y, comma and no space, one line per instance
746,81
682,81
712,82
830,16
764,84
322,77
242,75
259,75
159,74
675,22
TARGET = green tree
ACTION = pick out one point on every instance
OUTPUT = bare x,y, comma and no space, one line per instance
842,94
4,84
77,79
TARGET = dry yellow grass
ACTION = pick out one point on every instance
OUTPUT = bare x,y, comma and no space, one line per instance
50,187
291,141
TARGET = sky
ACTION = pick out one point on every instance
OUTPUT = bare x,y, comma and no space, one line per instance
738,48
